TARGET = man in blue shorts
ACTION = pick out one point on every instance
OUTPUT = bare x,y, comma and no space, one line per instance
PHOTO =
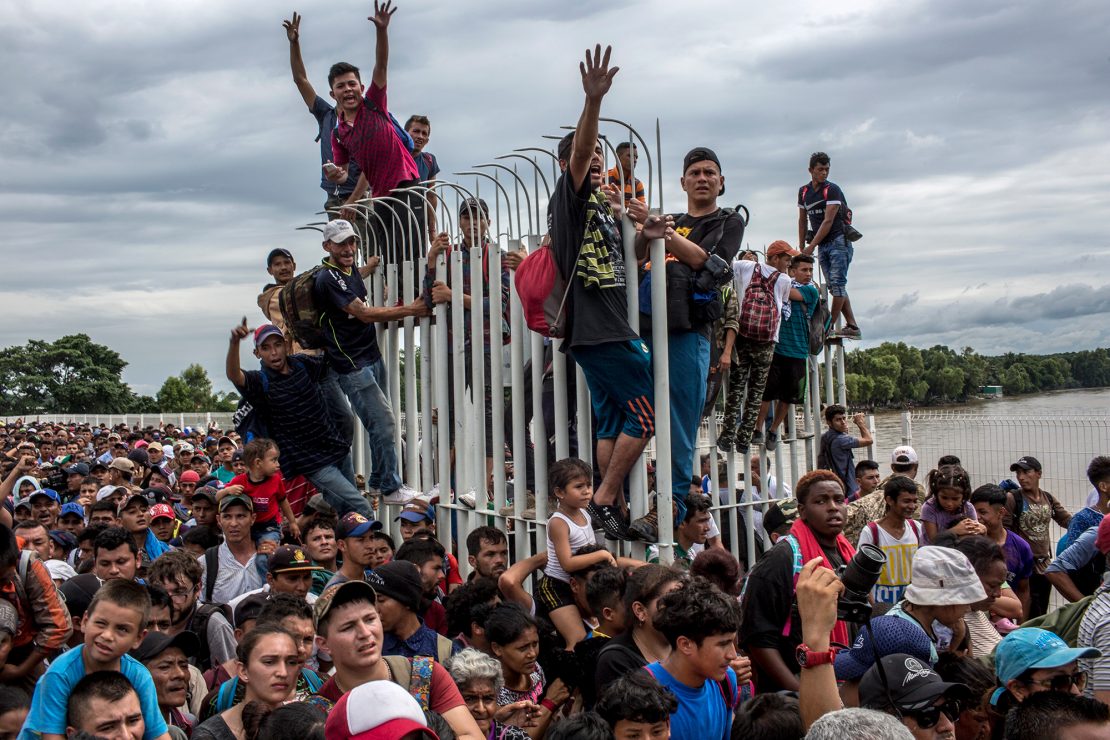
821,207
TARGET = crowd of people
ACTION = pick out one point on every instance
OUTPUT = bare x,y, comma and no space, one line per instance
234,584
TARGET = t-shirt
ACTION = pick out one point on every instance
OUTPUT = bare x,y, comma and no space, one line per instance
232,578
1083,520
223,475
615,180
349,342
427,165
933,512
326,118
534,692
702,713
718,233
794,331
443,695
587,246
1019,558
898,611
814,200
372,143
1094,631
48,704
898,570
297,415
838,447
618,658
766,608
742,275
424,641
267,495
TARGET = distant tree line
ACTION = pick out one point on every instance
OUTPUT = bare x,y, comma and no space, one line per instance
896,374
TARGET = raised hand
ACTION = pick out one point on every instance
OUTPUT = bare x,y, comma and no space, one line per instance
658,227
240,332
597,77
293,28
382,14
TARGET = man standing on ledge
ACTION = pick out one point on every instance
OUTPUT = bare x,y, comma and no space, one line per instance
586,239
821,207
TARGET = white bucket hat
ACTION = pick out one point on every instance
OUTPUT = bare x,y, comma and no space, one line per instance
943,577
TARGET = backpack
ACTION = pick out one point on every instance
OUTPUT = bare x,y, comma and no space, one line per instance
873,527
1065,621
543,292
297,303
198,625
816,324
402,135
759,314
211,568
414,674
844,214
825,457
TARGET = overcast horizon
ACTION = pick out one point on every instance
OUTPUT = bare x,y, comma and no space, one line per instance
151,155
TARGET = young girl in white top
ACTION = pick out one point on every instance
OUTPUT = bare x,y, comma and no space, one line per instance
568,530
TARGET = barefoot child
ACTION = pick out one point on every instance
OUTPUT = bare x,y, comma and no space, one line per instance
568,530
264,484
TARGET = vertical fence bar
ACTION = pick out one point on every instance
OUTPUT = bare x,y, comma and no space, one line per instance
661,367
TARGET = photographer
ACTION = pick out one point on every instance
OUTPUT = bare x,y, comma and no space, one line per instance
771,631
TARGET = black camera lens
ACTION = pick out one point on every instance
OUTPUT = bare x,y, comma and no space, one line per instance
862,572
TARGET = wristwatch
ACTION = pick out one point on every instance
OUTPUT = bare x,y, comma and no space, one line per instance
809,658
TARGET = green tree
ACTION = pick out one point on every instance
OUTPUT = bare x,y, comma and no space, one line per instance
70,375
191,391
175,396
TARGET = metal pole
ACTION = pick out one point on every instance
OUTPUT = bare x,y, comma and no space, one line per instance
661,364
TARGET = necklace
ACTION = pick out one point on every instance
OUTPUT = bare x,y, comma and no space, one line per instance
649,654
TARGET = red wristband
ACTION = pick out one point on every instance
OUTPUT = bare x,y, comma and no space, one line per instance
548,705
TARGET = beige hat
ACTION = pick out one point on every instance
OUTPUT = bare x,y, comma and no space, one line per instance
943,577
123,465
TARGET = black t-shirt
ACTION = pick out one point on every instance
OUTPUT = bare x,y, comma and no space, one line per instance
618,658
767,606
814,200
297,416
596,309
719,233
350,344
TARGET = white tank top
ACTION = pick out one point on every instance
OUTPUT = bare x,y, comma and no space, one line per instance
580,536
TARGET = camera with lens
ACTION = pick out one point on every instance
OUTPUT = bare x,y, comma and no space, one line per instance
714,274
859,576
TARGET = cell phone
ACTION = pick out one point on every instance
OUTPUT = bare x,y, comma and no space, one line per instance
331,168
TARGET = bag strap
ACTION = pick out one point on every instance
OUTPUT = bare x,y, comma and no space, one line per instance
916,530
225,699
211,567
24,565
443,649
873,528
420,681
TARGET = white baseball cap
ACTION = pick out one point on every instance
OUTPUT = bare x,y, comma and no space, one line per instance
943,577
378,710
338,231
904,455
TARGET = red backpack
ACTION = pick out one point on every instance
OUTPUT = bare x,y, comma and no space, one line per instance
543,292
759,314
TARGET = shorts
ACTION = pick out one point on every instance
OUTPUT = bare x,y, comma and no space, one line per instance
835,257
554,594
786,380
621,387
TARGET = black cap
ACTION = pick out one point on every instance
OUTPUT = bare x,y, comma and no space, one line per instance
206,492
399,580
702,154
275,253
473,204
78,592
910,683
290,559
77,469
156,643
139,457
249,608
1026,462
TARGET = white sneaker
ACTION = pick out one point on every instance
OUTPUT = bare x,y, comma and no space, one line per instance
400,497
469,499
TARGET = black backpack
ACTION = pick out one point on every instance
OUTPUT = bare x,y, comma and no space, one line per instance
298,307
199,627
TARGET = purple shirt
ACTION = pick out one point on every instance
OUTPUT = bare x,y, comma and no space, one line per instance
931,511
1019,558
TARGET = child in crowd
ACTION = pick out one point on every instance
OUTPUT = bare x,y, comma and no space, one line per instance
637,706
898,536
264,484
114,624
948,506
568,530
990,501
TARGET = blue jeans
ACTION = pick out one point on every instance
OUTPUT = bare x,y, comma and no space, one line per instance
688,356
260,533
364,389
339,491
835,257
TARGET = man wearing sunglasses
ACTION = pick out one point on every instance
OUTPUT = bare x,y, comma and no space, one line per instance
910,690
1031,660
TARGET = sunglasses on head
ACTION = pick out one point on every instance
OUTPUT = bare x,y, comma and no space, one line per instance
1062,682
930,716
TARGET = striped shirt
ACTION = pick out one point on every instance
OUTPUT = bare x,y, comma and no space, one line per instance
1094,631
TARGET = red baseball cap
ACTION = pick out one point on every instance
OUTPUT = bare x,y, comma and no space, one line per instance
378,710
160,511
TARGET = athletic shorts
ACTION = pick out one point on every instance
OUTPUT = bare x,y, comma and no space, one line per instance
621,387
554,594
786,380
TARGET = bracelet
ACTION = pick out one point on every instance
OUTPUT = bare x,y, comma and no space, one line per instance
548,705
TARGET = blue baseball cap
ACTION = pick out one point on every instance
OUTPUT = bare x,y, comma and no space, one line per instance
72,508
1029,648
892,635
416,511
354,524
50,493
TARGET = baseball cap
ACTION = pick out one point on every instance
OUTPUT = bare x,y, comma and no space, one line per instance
225,440
376,710
399,580
1029,648
780,513
261,334
338,231
123,465
910,683
289,558
141,444
903,455
60,570
189,476
892,635
339,594
72,508
234,498
206,492
1026,462
200,457
249,608
160,511
943,577
107,491
78,592
77,469
64,539
472,204
416,511
778,248
156,643
132,498
275,253
139,457
699,154
184,447
354,524
97,466
50,493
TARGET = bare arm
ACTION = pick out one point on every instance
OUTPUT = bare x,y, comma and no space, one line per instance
296,63
360,190
803,225
597,78
371,265
463,723
1008,605
231,367
817,591
559,533
864,432
771,663
382,15
822,232
511,582
376,314
1064,584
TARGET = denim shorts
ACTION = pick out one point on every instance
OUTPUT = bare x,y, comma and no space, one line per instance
835,257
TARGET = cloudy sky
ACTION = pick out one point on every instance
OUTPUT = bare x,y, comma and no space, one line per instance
152,153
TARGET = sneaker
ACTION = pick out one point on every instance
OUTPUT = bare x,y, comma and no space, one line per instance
469,499
400,497
646,528
772,441
725,443
742,448
850,332
609,518
804,434
757,438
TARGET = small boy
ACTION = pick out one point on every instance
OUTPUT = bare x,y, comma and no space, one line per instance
114,624
637,706
898,536
264,484
603,595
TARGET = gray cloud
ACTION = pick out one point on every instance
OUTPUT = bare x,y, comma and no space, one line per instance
151,155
